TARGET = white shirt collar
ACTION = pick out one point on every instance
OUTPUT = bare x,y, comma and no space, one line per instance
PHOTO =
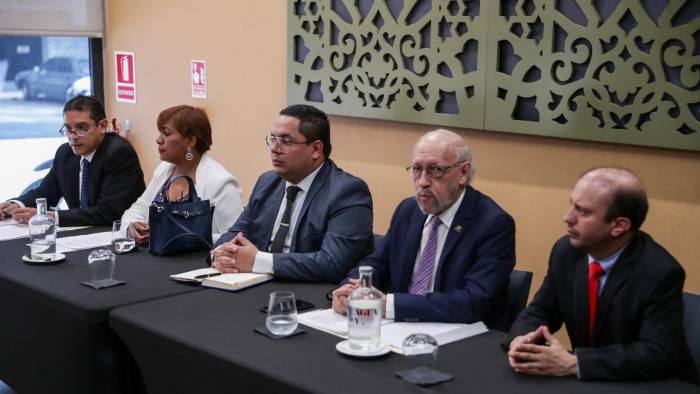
449,214
305,184
89,156
608,262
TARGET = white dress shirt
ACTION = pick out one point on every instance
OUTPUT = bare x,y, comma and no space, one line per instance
263,263
446,218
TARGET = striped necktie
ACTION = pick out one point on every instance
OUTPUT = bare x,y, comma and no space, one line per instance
424,274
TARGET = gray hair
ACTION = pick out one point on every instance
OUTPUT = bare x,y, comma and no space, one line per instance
457,143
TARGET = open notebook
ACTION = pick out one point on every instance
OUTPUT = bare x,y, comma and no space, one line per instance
210,277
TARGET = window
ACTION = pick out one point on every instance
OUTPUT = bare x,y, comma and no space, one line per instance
37,75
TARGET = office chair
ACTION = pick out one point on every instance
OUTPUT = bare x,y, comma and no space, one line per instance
691,322
518,291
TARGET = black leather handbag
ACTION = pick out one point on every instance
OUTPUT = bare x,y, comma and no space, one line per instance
180,227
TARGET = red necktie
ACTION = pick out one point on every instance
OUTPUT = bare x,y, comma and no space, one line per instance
594,273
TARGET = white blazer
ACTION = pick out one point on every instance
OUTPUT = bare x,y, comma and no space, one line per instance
213,183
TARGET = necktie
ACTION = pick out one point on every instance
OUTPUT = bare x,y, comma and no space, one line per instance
594,273
283,230
424,273
84,183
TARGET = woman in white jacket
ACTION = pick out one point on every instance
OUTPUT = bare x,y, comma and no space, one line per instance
184,137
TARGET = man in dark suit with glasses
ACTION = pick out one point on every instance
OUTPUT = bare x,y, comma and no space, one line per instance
306,219
97,173
449,250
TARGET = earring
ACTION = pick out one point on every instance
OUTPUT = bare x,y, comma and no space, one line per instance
188,154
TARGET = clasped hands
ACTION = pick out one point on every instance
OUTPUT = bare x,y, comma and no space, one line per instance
540,353
20,215
340,297
236,255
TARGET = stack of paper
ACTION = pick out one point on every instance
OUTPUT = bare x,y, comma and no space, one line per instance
393,333
79,242
9,229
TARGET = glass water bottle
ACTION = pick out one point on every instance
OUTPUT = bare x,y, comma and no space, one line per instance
42,234
364,314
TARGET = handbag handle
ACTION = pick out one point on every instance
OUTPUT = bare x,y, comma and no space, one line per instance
192,191
185,229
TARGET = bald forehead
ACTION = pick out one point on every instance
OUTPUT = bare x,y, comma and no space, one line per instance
613,178
439,142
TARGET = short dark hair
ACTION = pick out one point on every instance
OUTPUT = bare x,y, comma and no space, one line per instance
313,124
90,104
629,203
190,122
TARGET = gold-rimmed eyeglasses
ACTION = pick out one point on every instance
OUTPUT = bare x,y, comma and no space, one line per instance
433,172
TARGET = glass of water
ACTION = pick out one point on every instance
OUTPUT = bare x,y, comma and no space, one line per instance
121,241
102,263
281,313
421,350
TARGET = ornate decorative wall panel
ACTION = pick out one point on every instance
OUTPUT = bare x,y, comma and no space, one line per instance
412,60
625,71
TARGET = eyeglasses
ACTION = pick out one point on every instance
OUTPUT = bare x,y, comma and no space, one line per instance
80,130
283,144
433,172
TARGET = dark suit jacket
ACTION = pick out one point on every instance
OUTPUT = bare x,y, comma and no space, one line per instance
115,182
333,231
638,331
473,269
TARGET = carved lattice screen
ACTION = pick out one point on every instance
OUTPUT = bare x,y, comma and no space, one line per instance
625,71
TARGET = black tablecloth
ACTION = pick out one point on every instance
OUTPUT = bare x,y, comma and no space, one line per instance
53,330
204,343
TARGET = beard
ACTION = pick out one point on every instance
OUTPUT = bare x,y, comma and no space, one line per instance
436,205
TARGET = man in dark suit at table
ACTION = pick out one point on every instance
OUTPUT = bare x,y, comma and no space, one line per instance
618,292
97,173
306,219
449,251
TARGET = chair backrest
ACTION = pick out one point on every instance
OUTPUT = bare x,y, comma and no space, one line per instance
691,323
518,291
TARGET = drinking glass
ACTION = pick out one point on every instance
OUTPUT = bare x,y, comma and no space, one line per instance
281,313
121,241
102,263
421,350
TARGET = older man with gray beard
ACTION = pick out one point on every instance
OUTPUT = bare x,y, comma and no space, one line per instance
450,249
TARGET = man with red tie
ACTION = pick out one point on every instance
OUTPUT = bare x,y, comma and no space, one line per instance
619,293
449,250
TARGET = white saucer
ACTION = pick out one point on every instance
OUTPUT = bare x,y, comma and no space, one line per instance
59,257
344,347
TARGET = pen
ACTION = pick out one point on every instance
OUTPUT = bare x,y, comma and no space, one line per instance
207,275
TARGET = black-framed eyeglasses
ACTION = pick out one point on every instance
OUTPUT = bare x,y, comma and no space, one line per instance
433,172
80,130
283,143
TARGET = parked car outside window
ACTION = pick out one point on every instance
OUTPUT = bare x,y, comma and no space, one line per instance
53,79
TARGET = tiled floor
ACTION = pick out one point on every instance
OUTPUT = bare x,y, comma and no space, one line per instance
4,389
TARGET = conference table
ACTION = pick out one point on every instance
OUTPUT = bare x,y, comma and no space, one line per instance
54,336
205,342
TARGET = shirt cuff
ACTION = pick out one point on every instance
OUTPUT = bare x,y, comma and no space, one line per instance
578,370
55,218
389,312
18,202
263,263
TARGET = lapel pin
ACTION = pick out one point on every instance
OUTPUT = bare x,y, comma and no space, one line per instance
457,228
